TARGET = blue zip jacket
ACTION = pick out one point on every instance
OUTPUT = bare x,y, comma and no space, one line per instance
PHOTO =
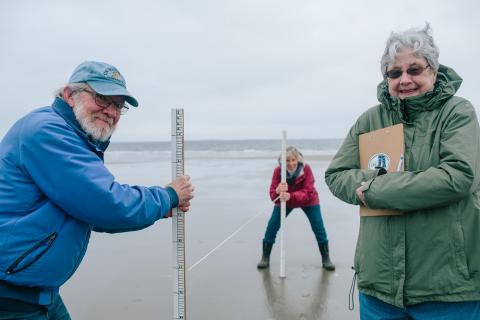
54,190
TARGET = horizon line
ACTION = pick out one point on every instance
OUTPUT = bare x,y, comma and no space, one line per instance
209,139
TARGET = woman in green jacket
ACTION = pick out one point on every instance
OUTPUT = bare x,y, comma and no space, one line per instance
425,262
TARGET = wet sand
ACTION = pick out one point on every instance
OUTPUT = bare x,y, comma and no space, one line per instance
129,276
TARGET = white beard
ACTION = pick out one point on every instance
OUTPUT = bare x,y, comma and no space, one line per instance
87,122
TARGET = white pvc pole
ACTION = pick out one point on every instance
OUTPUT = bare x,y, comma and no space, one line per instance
283,206
178,220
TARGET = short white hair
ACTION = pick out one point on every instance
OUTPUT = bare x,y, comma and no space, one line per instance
292,151
420,41
75,87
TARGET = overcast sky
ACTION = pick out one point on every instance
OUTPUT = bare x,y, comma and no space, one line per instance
241,69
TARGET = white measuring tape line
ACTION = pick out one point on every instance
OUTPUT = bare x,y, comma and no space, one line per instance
232,235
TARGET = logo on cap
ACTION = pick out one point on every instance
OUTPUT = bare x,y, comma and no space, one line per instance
114,74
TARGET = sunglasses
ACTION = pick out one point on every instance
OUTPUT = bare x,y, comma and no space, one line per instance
413,71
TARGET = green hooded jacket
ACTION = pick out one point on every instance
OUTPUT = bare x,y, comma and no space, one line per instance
432,251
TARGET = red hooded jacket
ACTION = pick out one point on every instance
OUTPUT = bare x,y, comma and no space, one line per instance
302,190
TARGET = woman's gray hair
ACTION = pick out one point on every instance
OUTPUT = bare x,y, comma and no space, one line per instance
79,86
420,41
292,151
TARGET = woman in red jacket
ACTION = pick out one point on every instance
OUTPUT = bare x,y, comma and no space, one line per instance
299,192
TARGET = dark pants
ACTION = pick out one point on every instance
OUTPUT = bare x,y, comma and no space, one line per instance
374,309
14,309
314,216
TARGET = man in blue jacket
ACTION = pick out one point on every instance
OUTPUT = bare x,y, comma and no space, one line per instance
55,189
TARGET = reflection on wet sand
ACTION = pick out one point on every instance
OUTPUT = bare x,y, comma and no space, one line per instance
282,304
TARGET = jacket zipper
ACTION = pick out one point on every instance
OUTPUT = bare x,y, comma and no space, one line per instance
404,110
47,241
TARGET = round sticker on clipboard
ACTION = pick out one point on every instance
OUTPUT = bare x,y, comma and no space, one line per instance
379,160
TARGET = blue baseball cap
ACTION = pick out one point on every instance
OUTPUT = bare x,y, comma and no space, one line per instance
105,79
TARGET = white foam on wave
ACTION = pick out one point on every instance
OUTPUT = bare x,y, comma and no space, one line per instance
161,156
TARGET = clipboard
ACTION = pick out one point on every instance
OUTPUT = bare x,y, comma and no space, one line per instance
382,148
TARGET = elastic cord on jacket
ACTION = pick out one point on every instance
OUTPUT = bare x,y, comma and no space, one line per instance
351,297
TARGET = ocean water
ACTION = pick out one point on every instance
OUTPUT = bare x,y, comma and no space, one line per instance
121,152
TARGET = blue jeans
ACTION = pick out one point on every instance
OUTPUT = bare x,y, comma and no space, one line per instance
314,216
372,309
13,309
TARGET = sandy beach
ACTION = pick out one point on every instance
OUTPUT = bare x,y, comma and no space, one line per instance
129,276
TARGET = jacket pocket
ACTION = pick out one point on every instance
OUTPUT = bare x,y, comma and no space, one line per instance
30,256
460,256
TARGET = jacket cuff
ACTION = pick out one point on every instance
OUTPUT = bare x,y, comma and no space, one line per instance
367,184
375,173
173,197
